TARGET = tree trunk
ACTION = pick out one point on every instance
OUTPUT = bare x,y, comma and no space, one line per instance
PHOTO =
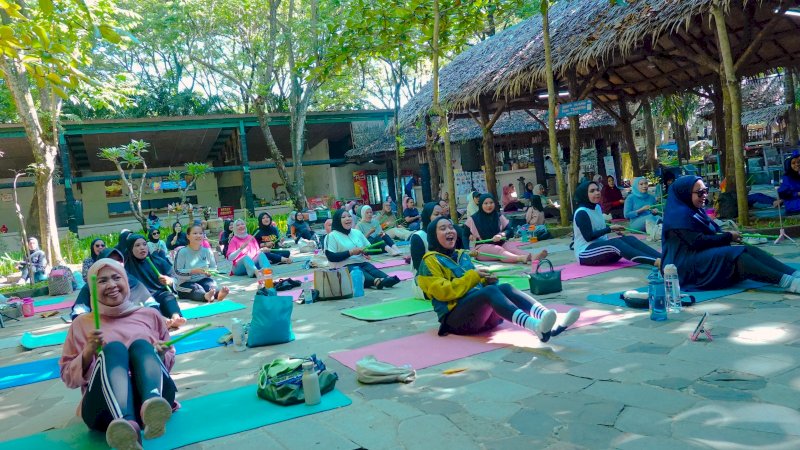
680,139
730,160
23,233
430,152
791,114
396,116
732,83
272,147
551,116
298,131
650,136
627,133
719,126
574,142
489,158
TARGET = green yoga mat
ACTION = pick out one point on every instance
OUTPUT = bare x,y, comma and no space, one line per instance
31,341
389,310
233,412
211,309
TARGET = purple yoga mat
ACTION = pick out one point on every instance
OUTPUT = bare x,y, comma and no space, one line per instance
429,349
53,307
575,270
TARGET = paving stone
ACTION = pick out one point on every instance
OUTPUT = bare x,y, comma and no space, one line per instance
430,431
642,347
589,436
514,443
752,416
734,380
309,432
671,383
779,394
496,412
646,397
657,443
576,407
534,423
479,429
546,382
713,392
716,435
644,422
395,409
435,406
258,438
365,425
499,390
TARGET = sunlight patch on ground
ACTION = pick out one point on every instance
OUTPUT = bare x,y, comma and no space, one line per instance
763,334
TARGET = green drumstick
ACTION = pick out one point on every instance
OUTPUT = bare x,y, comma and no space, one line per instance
172,341
95,308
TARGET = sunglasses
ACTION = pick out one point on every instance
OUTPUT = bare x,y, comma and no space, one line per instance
701,192
99,245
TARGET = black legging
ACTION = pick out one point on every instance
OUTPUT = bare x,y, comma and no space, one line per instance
371,273
608,251
385,238
275,256
167,303
196,290
484,309
306,233
123,378
756,264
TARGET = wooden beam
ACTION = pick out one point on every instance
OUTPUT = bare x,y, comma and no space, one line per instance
586,87
544,125
698,58
607,109
756,42
496,115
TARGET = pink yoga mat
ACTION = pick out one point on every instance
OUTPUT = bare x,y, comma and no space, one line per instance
402,274
429,349
575,270
53,307
389,263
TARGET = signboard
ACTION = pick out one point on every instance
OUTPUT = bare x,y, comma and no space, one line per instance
571,109
360,185
610,169
225,212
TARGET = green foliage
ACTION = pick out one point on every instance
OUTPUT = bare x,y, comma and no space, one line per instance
129,154
7,290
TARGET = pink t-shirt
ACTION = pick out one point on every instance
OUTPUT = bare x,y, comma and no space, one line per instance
252,250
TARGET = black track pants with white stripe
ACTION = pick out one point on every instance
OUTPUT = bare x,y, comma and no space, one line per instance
600,253
122,380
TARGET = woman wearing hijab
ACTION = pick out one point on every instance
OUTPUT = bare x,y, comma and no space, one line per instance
95,248
370,227
592,246
303,234
612,201
155,244
510,200
122,243
123,368
178,238
418,244
550,208
639,205
344,247
472,203
158,281
469,300
444,202
269,238
153,221
789,190
244,252
225,236
390,224
35,266
411,215
488,224
703,253
194,265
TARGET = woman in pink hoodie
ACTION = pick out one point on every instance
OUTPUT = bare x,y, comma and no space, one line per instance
123,367
244,252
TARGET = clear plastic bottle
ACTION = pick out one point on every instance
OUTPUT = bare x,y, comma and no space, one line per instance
358,281
239,337
310,382
656,296
673,288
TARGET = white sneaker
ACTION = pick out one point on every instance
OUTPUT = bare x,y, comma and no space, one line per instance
547,321
567,319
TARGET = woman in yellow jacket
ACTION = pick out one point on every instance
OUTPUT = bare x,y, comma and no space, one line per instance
469,300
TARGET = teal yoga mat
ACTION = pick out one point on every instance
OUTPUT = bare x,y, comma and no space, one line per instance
389,310
31,341
46,301
47,369
699,296
211,309
234,411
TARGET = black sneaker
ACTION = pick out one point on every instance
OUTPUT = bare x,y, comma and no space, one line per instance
390,281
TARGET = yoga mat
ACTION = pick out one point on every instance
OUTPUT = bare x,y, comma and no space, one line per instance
402,274
211,309
767,213
389,310
429,349
47,369
575,270
234,411
53,306
9,342
699,296
31,341
389,263
49,301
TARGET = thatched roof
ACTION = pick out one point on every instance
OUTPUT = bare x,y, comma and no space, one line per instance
764,115
510,123
641,49
757,93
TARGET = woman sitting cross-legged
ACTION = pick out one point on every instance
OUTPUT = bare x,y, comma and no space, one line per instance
155,244
488,224
269,239
639,205
303,234
157,280
469,300
244,252
592,246
194,265
371,228
411,215
344,247
95,248
123,369
177,238
390,224
611,199
703,253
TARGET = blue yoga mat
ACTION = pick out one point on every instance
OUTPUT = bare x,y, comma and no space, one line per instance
233,412
211,309
699,296
47,369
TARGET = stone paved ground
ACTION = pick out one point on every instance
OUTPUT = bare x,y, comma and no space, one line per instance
629,384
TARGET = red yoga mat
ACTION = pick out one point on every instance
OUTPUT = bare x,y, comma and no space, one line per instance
429,349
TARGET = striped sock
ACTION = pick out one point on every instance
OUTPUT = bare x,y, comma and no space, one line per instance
537,311
786,281
796,274
525,321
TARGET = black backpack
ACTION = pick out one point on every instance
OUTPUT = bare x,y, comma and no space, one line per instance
727,207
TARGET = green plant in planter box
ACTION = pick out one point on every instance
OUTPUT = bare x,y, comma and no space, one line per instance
9,291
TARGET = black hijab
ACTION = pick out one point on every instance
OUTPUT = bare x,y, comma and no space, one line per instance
266,230
336,223
151,237
141,269
183,239
122,244
582,195
91,249
433,239
787,166
427,210
668,176
226,231
488,225
680,212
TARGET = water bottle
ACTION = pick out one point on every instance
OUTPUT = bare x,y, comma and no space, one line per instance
673,288
310,383
358,281
237,331
656,296
523,233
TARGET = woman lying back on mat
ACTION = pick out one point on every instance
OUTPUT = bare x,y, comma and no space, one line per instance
592,246
345,246
123,367
487,224
703,253
469,300
194,265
